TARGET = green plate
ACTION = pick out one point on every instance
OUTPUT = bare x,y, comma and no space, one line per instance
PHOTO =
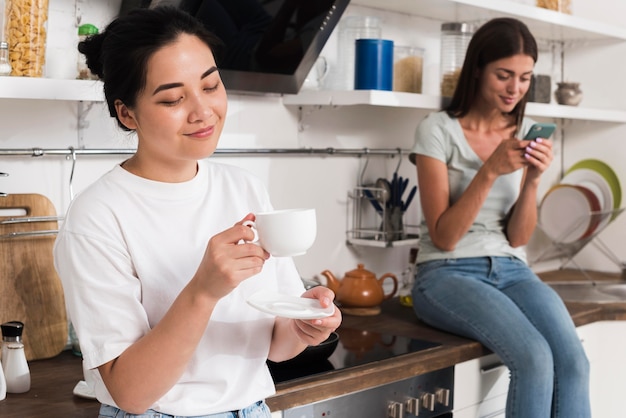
607,173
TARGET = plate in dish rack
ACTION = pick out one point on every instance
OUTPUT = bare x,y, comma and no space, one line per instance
288,306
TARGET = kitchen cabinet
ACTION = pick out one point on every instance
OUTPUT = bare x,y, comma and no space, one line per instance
481,385
480,388
605,345
558,28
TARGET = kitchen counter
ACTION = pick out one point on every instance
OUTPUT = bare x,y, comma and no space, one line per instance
54,379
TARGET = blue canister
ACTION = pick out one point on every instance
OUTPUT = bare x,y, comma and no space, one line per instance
373,69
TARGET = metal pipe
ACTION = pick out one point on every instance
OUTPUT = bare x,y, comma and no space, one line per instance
40,152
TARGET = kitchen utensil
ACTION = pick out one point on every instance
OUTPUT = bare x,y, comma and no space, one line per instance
386,191
30,289
288,306
360,289
373,201
409,199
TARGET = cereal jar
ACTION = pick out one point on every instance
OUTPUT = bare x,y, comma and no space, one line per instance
25,25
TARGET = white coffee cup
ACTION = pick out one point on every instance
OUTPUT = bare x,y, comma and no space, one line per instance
285,233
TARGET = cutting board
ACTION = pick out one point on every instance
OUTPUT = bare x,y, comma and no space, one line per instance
30,289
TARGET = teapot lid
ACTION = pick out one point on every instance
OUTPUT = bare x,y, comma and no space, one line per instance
360,272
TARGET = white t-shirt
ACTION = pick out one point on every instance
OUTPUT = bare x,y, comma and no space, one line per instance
441,137
128,247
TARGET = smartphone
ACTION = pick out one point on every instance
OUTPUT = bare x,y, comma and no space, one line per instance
540,130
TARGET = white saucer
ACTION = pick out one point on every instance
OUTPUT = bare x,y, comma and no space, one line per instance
82,390
289,306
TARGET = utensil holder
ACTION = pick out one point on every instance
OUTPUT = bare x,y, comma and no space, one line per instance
373,224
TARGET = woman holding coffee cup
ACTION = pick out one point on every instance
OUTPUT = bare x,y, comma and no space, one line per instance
155,261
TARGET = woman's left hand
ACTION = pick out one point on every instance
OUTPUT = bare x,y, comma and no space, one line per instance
315,331
538,154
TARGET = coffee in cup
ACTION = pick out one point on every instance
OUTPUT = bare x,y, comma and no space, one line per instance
285,233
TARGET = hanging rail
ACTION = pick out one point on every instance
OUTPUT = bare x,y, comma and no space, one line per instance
71,152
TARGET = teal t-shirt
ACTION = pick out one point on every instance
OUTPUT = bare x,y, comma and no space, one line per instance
441,137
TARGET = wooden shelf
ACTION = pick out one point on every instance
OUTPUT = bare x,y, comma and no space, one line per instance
50,89
545,24
426,102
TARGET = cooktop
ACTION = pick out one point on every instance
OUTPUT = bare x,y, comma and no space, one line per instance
354,348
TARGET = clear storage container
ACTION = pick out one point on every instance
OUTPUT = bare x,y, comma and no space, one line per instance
563,6
351,28
455,37
84,31
25,23
407,68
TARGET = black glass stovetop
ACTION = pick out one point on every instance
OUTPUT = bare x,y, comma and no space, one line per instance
354,348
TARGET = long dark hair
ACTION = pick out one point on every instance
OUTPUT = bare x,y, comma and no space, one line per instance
498,38
119,55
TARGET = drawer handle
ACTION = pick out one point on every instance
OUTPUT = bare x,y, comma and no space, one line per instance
492,368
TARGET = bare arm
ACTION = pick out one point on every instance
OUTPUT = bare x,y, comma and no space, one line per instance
446,223
291,336
523,219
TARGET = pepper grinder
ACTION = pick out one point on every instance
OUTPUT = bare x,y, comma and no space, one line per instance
16,371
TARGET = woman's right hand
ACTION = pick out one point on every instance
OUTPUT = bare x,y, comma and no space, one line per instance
507,157
229,259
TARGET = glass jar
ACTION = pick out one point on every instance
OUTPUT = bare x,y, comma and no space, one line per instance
563,6
351,28
25,23
85,31
407,68
5,65
455,37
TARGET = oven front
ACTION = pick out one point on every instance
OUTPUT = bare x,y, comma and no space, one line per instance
425,396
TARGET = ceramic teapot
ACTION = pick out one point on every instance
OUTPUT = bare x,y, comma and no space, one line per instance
360,288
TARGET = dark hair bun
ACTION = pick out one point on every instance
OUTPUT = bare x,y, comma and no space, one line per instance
92,49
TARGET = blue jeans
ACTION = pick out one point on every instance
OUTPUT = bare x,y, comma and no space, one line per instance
256,410
500,302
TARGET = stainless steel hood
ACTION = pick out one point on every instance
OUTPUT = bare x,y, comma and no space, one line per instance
270,45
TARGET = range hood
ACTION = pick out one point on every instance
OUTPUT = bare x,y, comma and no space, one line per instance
270,45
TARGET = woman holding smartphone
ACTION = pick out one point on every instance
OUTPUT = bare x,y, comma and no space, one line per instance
478,185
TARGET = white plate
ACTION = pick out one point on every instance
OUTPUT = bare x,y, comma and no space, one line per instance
584,176
597,184
289,306
566,213
82,390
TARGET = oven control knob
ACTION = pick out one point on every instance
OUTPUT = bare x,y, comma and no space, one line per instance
443,396
412,406
395,410
428,401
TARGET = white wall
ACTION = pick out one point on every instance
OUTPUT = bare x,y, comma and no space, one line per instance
263,122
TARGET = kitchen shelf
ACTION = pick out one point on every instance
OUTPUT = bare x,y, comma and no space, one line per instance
50,89
543,23
427,102
362,97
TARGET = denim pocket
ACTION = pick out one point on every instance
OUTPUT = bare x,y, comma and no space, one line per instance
108,411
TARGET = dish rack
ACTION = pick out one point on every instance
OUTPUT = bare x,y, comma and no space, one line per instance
567,250
374,224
